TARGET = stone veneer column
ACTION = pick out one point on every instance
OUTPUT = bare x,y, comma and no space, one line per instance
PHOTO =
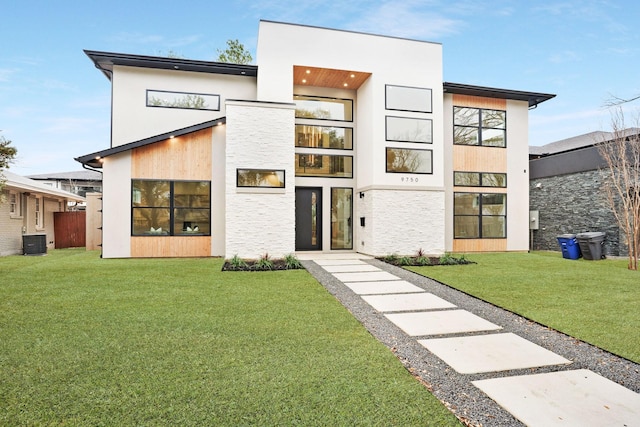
259,135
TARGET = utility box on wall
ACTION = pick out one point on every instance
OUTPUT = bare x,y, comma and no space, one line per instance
534,222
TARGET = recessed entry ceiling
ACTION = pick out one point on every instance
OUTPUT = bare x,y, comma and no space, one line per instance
327,77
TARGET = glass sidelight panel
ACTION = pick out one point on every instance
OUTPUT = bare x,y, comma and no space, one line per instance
341,218
314,217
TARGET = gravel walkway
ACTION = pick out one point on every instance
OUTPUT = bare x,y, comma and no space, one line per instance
455,390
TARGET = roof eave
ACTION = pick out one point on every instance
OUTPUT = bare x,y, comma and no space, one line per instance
105,61
94,160
533,98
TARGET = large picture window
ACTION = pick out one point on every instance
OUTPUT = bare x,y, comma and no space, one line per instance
406,160
324,165
406,129
317,107
170,208
478,126
190,101
269,178
337,138
403,98
480,215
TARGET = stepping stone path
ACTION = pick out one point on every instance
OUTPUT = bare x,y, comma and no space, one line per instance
472,345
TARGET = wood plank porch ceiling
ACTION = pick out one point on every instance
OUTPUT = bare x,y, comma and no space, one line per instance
327,77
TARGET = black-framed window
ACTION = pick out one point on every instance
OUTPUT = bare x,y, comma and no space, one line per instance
185,100
341,218
266,178
322,165
479,126
406,98
480,179
331,137
408,129
409,160
323,108
170,208
479,215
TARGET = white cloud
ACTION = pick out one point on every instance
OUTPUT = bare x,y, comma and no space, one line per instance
6,73
565,56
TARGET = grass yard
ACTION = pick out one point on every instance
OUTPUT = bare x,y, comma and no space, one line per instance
86,341
595,301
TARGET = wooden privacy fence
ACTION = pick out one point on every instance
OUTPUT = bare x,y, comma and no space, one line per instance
69,229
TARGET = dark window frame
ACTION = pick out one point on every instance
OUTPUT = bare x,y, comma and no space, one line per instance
480,179
321,175
352,230
182,93
386,129
324,126
386,104
284,176
410,149
320,98
480,127
479,215
171,208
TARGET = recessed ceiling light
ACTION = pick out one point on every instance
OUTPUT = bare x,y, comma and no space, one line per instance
346,84
353,76
171,136
308,71
304,80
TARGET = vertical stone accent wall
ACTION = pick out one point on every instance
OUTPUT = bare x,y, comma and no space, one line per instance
401,222
571,204
259,220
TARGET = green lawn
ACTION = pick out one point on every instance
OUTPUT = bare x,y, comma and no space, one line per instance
595,301
86,341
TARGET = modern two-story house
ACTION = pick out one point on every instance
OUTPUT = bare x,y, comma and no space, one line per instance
334,141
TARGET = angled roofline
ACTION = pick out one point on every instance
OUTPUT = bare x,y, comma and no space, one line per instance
93,160
104,61
348,31
13,180
533,98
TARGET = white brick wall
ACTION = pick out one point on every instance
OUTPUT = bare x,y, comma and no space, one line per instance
258,221
401,222
10,229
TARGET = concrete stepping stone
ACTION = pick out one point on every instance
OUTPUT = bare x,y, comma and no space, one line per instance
368,276
383,287
323,262
440,322
407,302
568,398
491,353
350,268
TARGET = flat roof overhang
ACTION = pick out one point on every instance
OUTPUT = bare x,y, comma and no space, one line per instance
94,160
105,61
533,98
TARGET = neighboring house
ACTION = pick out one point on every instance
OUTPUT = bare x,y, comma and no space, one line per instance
566,190
76,182
335,141
27,207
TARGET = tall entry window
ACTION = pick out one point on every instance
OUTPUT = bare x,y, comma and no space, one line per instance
170,208
341,218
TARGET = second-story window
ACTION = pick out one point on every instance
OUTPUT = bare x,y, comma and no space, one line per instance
479,126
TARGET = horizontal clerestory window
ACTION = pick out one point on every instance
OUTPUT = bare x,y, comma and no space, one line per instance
185,100
478,126
479,179
170,208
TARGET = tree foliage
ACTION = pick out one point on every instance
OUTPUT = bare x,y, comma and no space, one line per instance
7,154
621,181
235,53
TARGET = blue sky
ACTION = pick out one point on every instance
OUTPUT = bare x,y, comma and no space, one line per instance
54,105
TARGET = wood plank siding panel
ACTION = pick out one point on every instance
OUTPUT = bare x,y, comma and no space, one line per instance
467,158
187,157
479,245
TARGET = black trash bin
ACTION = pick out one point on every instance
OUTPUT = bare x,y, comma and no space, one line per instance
591,244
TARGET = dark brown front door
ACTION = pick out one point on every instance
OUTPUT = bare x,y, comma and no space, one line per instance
308,219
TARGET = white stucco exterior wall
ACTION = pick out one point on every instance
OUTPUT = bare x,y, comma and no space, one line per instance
116,202
517,176
132,120
259,220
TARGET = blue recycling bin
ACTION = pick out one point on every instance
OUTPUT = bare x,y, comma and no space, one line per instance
569,246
